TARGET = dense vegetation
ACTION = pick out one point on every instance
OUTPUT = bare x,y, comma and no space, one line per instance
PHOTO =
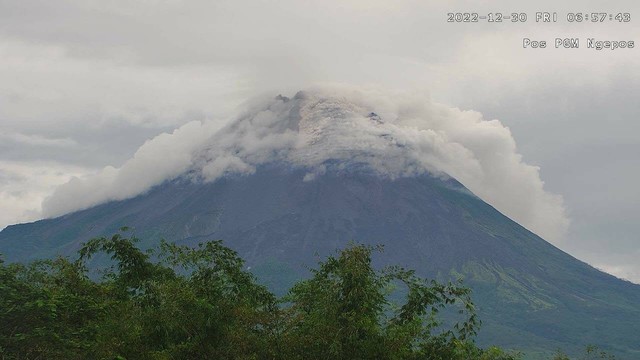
199,303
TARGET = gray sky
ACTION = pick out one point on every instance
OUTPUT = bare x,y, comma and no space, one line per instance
83,84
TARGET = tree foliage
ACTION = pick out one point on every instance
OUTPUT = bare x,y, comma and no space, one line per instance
344,312
178,302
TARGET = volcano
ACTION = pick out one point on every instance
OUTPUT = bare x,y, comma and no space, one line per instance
297,196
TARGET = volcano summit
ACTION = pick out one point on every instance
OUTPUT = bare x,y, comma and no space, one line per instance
390,134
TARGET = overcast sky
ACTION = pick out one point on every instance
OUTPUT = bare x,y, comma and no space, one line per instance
84,83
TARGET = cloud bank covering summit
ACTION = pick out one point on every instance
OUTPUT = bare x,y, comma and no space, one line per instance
393,134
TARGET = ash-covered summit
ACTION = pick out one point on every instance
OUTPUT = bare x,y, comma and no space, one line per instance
391,134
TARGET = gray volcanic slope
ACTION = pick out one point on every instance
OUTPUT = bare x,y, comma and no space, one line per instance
531,295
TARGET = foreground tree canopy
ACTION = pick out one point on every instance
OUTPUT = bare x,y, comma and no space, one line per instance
177,302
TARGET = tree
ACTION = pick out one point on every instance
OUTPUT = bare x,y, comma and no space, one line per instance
47,309
344,312
192,303
178,302
591,352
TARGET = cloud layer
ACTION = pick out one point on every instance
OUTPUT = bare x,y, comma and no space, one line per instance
394,134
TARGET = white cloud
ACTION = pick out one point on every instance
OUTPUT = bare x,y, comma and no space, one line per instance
163,158
410,135
24,185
